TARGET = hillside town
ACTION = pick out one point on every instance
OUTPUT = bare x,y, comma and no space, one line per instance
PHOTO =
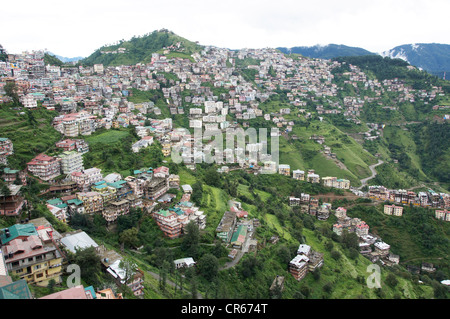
208,91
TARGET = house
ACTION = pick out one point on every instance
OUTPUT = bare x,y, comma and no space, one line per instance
293,201
13,290
304,249
111,264
298,175
277,282
428,267
156,187
77,292
184,263
6,149
77,240
226,226
284,169
341,213
313,178
382,248
239,236
187,189
67,145
13,203
315,260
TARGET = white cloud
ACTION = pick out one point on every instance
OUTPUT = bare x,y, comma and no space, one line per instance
78,28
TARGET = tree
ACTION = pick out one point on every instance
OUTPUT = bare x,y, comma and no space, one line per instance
208,266
191,239
391,280
11,91
129,268
212,177
129,237
90,265
335,254
197,193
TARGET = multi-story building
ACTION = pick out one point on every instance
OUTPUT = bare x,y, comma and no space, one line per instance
313,178
381,248
298,175
443,215
92,201
114,209
362,229
71,161
28,101
12,204
168,222
45,167
226,226
86,178
31,258
393,210
137,185
341,213
67,145
284,169
6,149
298,267
336,182
156,187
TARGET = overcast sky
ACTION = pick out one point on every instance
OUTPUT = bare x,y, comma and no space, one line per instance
78,28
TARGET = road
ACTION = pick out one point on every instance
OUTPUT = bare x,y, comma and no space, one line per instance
374,173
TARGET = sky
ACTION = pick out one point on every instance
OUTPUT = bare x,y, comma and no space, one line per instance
78,28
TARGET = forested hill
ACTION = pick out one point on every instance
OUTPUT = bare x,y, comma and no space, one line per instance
326,52
139,49
384,68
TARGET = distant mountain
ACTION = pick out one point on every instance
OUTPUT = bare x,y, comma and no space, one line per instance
140,49
431,57
329,51
64,59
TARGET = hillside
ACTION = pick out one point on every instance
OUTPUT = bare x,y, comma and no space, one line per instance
326,52
139,49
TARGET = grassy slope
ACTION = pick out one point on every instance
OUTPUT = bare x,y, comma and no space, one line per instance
30,137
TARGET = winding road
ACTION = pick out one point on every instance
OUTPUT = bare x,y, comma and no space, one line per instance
374,173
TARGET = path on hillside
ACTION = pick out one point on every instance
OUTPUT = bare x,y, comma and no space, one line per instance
374,173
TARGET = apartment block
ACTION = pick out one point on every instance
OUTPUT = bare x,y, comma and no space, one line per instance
92,201
45,167
393,210
71,161
33,259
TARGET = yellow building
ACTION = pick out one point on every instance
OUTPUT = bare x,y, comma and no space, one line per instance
33,260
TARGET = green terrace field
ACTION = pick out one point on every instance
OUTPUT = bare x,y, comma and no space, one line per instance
305,153
31,132
110,150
